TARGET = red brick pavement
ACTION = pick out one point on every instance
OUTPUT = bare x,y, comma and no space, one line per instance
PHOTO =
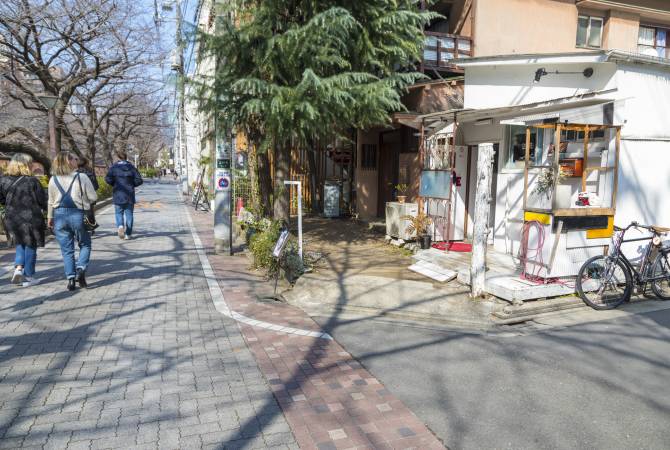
329,399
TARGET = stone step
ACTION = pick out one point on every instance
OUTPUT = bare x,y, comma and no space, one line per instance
528,310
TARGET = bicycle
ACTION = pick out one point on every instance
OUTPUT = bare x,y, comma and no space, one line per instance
606,281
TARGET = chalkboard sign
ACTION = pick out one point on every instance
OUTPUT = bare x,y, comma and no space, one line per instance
281,243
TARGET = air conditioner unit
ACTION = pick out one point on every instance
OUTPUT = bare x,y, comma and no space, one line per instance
395,225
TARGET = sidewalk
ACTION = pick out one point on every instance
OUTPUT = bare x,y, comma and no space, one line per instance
329,400
142,359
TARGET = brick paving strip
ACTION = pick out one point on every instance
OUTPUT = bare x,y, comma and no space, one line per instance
142,359
329,400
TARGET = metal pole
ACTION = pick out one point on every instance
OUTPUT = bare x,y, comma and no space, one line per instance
299,185
183,148
52,131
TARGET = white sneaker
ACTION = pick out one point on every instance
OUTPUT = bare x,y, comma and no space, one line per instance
30,281
17,278
126,237
122,232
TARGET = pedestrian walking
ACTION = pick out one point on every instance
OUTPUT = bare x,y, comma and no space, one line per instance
70,195
124,178
25,202
85,169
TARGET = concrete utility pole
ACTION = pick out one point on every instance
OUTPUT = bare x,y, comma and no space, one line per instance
223,185
178,66
485,155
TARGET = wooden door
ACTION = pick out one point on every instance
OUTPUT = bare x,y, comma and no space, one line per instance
388,176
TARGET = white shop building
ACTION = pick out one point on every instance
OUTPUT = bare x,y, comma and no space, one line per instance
601,120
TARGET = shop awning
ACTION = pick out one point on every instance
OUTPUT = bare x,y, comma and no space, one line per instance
547,109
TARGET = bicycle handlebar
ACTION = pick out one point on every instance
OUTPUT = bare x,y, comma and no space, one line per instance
634,224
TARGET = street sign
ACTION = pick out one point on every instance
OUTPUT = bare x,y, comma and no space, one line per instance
223,163
223,180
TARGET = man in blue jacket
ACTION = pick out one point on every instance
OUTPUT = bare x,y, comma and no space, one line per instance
124,178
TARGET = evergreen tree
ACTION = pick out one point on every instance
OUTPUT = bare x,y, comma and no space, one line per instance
290,72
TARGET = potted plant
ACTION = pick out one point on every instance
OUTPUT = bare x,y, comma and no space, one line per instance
401,192
419,224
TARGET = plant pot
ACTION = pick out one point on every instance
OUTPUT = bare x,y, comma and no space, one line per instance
425,241
402,198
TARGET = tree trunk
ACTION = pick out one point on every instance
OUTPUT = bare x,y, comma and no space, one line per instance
485,156
253,176
264,183
313,179
281,192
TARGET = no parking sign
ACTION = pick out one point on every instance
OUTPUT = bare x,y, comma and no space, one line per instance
223,180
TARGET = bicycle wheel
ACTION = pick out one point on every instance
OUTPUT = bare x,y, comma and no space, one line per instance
661,267
603,283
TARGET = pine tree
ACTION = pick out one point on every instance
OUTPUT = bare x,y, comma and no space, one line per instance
290,72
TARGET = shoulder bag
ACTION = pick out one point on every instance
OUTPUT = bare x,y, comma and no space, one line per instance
89,214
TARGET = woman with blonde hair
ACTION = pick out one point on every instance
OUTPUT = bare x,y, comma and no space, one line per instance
70,195
25,201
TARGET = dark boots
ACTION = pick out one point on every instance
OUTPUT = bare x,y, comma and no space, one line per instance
81,278
71,284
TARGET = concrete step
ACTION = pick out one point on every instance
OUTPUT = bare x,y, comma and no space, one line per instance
527,311
433,271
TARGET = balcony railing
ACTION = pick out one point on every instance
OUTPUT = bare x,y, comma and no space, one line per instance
441,48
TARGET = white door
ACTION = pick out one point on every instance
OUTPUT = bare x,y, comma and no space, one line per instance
459,186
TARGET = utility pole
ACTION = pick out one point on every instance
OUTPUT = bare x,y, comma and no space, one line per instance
485,155
178,66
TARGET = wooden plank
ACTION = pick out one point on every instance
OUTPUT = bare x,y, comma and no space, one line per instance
556,164
575,212
525,168
597,169
557,238
586,157
616,168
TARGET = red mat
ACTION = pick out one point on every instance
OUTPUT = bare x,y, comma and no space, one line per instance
453,246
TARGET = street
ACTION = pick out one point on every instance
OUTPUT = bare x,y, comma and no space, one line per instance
599,385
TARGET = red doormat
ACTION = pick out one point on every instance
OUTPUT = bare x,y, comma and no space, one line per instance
453,246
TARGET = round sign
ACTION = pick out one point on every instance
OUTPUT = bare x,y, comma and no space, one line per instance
224,182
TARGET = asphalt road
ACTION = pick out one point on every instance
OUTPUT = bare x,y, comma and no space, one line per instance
602,385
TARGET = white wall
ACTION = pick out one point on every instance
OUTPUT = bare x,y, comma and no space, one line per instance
506,85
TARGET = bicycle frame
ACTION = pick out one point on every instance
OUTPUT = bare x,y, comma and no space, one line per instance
641,276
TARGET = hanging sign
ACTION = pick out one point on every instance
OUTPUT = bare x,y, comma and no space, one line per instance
281,243
222,180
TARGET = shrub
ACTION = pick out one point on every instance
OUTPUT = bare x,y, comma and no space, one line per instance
149,172
261,245
104,190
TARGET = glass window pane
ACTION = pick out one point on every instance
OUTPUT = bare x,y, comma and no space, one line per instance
582,26
647,50
447,42
430,55
594,32
431,41
646,36
446,56
464,45
660,38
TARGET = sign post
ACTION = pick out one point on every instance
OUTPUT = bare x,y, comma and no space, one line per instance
299,185
223,181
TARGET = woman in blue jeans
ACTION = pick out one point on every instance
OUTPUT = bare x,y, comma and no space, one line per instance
70,194
25,202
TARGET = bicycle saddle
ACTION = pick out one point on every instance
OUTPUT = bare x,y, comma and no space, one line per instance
658,229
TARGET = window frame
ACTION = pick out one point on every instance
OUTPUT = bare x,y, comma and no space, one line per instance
655,46
589,19
369,156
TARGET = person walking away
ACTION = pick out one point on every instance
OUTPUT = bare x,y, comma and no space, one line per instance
124,178
70,194
85,169
25,202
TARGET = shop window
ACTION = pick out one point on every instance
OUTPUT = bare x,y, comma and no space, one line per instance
578,136
516,146
589,31
652,41
369,157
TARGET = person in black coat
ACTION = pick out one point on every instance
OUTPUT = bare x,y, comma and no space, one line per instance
85,168
25,202
124,178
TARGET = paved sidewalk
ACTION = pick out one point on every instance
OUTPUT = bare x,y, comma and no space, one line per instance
329,399
140,360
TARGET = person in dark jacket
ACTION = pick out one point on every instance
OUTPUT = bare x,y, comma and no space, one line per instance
124,178
25,202
85,168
